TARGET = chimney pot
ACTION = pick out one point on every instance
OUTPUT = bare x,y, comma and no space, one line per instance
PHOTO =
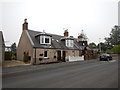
25,25
66,33
25,20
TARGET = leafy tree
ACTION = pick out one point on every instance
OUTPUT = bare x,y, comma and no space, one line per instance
114,38
116,49
13,47
13,50
103,46
92,45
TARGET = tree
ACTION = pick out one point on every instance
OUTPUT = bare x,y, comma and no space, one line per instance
13,50
114,38
103,46
13,47
116,49
92,45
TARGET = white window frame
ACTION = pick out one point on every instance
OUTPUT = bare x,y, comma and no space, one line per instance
69,43
72,53
42,39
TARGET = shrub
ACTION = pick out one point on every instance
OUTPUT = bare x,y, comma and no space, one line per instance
116,49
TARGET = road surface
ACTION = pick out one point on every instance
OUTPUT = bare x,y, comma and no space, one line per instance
88,74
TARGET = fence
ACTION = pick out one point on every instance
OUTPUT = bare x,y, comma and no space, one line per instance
71,59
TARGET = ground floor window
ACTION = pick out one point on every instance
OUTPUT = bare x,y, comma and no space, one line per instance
45,54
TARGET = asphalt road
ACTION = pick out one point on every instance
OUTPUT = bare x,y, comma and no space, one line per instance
88,74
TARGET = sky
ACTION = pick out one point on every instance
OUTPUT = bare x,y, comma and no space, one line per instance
119,13
95,17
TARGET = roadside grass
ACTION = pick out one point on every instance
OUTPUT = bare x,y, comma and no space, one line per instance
11,63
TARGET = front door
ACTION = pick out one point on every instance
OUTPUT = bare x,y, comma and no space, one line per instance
63,56
59,55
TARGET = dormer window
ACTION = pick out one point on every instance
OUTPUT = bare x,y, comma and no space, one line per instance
45,40
69,43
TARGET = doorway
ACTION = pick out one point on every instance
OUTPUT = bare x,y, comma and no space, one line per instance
59,55
63,56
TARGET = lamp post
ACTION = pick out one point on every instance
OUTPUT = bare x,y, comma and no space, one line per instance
99,44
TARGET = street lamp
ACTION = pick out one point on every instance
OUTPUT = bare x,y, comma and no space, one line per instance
99,44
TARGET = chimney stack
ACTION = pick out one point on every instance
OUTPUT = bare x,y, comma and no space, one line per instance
66,33
25,25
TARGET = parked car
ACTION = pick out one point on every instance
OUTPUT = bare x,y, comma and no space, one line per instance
105,56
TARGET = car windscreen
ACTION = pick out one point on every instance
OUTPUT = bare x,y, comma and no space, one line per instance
104,55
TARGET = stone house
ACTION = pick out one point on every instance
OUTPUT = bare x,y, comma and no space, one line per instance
2,47
41,47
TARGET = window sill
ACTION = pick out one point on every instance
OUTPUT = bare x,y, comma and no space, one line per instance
46,57
45,43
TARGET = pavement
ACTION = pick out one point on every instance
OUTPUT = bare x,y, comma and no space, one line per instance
86,74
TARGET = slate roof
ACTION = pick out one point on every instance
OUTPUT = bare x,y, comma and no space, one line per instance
56,42
1,38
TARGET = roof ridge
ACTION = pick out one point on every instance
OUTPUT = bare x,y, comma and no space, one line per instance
46,33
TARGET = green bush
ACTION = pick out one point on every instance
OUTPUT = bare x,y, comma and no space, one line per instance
13,57
116,49
102,52
110,52
8,55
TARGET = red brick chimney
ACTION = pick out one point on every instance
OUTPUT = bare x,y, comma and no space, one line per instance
25,25
66,33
